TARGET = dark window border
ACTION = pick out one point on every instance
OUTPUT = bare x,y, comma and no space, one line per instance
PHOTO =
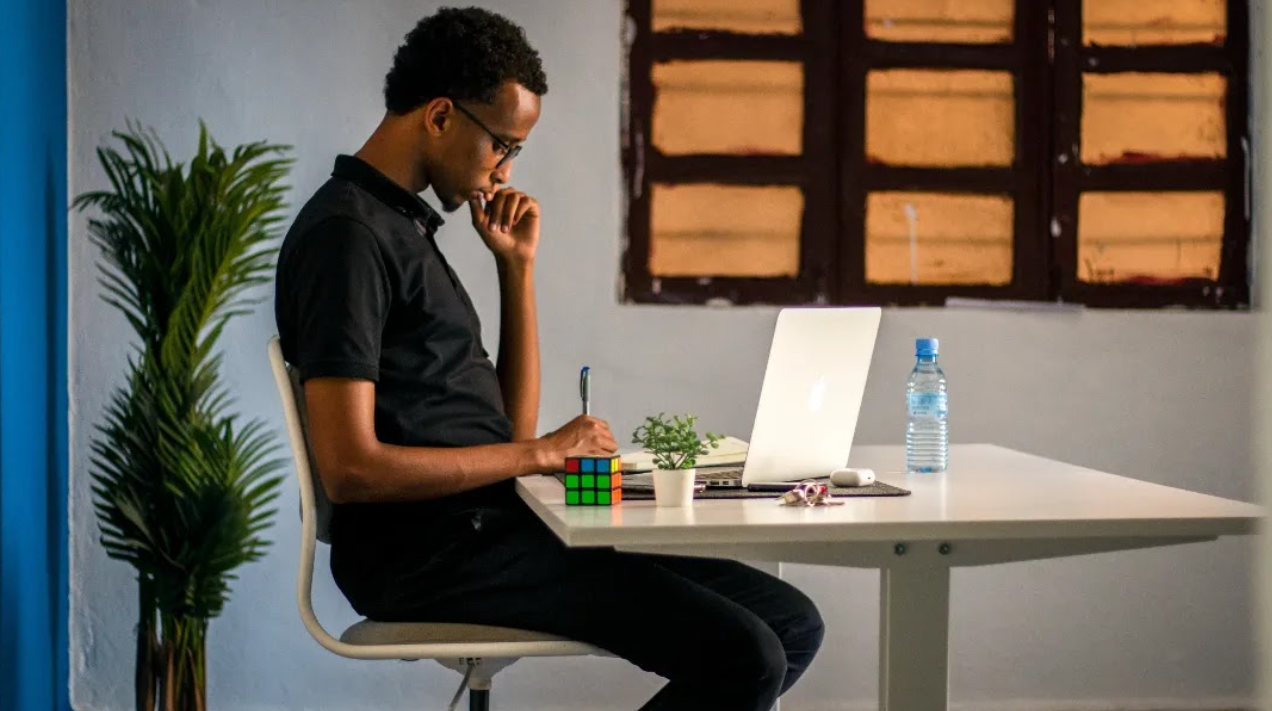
836,176
1232,288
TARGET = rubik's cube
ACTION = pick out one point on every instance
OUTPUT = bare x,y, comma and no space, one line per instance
593,481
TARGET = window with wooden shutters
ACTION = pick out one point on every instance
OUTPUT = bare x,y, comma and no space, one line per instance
908,151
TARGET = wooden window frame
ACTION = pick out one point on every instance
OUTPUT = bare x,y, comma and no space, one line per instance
1020,180
836,177
1229,175
644,164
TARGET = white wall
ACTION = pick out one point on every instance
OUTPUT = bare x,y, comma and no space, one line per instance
1261,120
1162,396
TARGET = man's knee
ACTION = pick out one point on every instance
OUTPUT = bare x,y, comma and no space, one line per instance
762,662
801,632
807,628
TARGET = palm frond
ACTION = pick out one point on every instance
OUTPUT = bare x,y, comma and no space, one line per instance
182,490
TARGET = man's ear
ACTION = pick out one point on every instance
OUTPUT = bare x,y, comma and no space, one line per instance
439,115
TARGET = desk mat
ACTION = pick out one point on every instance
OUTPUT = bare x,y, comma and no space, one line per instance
876,489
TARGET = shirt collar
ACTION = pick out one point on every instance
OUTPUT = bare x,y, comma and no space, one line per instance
383,188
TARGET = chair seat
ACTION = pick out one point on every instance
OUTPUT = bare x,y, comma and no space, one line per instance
371,633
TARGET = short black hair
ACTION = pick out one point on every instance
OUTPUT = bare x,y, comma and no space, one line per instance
463,54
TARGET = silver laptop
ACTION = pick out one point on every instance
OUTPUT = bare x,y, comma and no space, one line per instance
811,397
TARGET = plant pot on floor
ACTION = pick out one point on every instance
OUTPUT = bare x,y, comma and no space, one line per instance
674,487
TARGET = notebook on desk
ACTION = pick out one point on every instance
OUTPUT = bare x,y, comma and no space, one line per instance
809,402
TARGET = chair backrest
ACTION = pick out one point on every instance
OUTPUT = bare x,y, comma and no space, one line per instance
471,641
315,505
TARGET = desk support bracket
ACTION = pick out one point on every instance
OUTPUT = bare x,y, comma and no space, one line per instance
882,554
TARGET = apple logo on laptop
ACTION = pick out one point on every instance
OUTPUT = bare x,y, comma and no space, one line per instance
817,396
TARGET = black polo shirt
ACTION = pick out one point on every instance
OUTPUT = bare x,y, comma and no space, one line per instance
364,292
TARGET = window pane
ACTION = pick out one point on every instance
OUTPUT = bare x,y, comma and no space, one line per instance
1135,117
1149,237
976,111
1136,22
729,107
725,230
750,17
959,21
933,238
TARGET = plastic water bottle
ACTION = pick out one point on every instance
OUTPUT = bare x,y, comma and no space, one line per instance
927,440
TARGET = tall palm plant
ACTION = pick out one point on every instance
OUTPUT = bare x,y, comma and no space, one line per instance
181,485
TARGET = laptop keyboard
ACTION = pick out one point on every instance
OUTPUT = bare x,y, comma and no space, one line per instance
720,477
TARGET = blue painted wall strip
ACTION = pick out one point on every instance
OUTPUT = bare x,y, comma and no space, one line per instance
33,367
55,24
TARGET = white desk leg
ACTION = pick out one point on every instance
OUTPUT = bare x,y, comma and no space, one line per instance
914,636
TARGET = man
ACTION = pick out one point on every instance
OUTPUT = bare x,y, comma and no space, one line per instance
418,437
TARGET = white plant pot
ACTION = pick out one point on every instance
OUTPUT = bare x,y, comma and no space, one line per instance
673,487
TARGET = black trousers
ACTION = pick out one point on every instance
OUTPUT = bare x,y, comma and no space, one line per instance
725,635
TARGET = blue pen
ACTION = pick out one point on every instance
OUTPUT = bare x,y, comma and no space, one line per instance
585,389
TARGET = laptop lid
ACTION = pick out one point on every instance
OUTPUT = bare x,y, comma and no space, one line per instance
812,391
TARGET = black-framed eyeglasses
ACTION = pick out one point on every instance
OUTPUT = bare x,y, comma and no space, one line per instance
509,151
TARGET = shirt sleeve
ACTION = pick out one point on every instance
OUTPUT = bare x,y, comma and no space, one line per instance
341,298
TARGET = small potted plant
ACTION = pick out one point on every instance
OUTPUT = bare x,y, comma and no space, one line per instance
676,446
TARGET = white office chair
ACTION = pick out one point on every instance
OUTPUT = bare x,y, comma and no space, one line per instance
477,651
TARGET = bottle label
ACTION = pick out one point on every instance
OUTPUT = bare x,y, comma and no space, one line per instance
928,405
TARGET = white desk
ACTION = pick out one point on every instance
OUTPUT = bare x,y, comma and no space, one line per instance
995,505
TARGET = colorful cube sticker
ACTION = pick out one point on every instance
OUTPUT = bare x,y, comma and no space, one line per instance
593,481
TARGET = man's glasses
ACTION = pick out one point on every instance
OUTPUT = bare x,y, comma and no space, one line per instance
509,151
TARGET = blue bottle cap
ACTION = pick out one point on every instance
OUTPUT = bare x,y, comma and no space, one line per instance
927,346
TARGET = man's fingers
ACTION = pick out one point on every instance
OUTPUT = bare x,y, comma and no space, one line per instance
509,209
479,215
493,205
525,205
501,209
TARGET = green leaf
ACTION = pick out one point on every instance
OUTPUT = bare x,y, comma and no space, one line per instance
181,490
674,443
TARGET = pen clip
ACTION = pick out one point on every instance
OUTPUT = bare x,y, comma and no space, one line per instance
585,382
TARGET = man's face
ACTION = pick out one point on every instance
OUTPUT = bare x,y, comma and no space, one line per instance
468,160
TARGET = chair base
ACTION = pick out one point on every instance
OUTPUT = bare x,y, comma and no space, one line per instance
482,670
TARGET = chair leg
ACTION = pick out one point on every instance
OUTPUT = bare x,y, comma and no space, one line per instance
479,700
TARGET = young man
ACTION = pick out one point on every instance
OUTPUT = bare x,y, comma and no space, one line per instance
417,436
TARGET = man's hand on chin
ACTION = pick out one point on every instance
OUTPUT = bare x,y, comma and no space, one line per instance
509,225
